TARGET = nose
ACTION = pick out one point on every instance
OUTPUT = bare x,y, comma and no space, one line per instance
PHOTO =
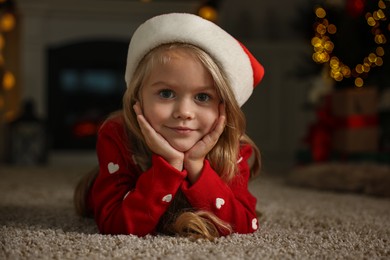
184,109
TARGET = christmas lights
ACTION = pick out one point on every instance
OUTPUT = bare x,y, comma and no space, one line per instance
323,46
7,78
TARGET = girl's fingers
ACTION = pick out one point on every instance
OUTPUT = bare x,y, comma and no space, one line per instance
146,129
204,146
212,138
157,142
222,110
137,108
219,126
140,118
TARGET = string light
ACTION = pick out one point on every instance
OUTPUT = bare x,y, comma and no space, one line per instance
208,13
7,78
7,22
209,10
323,46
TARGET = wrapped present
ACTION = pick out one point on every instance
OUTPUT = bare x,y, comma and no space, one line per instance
356,101
319,134
356,140
355,120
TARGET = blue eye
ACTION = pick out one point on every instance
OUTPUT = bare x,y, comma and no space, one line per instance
202,97
166,93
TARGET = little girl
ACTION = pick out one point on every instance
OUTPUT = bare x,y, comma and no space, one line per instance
176,160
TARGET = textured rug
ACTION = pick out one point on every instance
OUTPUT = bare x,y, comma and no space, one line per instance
37,221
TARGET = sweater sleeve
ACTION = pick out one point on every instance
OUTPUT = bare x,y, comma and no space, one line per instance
231,202
124,199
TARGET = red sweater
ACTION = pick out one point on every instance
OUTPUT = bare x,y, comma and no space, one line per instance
126,200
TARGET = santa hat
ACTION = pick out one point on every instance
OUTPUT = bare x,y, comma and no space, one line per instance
243,71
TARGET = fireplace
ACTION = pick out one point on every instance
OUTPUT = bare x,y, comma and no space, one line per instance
73,57
85,84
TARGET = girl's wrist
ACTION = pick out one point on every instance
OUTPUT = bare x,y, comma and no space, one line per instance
177,164
194,169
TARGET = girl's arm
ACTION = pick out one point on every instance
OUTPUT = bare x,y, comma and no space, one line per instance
231,202
125,200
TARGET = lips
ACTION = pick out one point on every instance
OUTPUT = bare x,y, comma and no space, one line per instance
182,130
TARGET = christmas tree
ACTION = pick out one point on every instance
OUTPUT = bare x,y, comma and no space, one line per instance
351,50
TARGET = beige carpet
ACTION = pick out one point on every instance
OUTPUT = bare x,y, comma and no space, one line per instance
37,222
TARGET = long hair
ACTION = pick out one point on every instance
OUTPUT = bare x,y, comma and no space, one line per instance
180,218
223,157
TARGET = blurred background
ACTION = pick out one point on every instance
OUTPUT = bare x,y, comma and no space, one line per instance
325,96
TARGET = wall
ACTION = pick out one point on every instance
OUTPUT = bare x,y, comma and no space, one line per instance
47,23
276,120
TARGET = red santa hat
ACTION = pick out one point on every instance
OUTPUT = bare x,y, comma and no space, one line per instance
242,69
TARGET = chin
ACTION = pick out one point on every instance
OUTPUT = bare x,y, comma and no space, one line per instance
182,148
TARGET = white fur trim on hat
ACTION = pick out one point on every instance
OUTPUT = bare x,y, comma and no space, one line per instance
192,29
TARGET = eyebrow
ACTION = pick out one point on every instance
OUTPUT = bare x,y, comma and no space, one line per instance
199,88
157,83
209,88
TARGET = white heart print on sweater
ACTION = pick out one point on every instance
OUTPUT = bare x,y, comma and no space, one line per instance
254,224
167,198
219,202
112,167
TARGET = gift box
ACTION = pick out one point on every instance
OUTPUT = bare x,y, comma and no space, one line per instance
355,101
355,120
356,140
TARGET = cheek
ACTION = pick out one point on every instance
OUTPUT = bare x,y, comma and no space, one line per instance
154,115
209,119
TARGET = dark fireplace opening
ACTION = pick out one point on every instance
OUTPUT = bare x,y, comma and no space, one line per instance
85,84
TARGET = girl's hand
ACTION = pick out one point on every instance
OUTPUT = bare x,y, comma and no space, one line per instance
156,143
194,158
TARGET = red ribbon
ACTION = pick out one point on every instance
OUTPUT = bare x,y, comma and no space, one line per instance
356,121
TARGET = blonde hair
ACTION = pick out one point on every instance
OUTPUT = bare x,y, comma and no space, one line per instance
223,157
180,218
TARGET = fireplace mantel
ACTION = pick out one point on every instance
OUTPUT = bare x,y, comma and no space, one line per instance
47,23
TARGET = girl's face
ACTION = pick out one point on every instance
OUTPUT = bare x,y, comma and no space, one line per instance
180,101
